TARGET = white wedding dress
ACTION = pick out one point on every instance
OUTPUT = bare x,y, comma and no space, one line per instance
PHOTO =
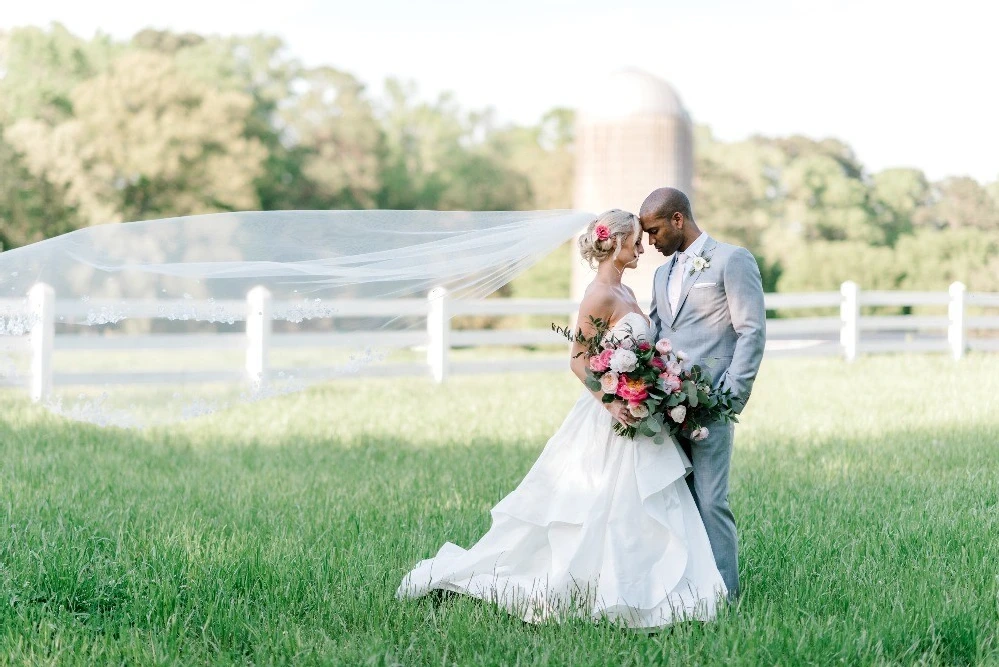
602,526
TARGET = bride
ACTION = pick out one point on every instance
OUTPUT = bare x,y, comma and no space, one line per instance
602,526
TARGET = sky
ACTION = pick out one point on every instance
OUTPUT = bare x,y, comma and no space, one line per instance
906,84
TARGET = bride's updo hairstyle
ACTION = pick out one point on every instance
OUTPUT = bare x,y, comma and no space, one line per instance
603,236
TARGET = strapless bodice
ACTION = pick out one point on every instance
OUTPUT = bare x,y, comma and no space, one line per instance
634,323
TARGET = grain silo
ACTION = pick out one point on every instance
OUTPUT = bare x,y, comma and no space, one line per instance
633,135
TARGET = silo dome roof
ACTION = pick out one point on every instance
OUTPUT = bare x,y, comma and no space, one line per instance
631,92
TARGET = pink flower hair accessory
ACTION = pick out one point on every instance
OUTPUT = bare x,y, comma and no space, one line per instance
602,232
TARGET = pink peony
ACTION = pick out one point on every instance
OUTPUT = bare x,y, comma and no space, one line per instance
601,232
608,383
671,383
600,362
632,390
664,346
674,367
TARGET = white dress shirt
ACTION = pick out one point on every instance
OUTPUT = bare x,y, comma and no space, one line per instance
675,282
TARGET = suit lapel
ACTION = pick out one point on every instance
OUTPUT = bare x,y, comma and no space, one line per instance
689,280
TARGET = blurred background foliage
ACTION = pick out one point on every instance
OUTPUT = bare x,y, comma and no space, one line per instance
165,124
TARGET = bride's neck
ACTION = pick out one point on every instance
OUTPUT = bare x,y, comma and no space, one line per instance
609,274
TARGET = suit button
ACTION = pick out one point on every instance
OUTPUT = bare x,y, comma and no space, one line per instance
673,329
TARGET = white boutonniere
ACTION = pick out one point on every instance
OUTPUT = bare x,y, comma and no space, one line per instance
698,263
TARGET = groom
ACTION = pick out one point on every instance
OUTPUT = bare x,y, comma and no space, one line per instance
708,300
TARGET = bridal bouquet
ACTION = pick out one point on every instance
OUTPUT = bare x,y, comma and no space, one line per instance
691,401
661,392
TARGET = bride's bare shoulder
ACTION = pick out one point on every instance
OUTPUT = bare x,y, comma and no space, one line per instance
599,301
598,294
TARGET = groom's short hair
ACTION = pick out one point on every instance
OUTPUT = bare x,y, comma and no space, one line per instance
664,202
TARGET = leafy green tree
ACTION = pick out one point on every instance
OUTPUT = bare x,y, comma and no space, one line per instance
436,157
165,41
737,189
900,198
418,138
933,259
31,208
962,203
828,201
329,126
993,190
825,265
258,66
39,69
146,141
543,155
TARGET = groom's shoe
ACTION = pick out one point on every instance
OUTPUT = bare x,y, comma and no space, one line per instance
440,596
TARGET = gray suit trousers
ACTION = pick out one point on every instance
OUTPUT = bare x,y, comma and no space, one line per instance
709,485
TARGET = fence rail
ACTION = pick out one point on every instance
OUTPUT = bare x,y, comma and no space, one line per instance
848,334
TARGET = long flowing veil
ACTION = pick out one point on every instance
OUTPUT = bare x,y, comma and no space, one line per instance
228,282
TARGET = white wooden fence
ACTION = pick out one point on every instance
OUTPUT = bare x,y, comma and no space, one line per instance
857,334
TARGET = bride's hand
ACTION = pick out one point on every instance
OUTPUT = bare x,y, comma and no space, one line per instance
620,412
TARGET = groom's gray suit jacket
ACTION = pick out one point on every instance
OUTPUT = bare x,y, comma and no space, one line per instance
720,321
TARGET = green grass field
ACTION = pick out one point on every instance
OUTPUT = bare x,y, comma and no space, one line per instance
867,497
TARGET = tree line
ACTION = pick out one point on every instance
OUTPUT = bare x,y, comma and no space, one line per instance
167,124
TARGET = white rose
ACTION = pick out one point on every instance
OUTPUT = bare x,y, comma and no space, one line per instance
639,410
664,346
674,367
681,356
608,383
678,414
699,434
623,361
699,264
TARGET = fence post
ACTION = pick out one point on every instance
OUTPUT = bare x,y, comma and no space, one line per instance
439,333
41,307
957,333
258,333
849,312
